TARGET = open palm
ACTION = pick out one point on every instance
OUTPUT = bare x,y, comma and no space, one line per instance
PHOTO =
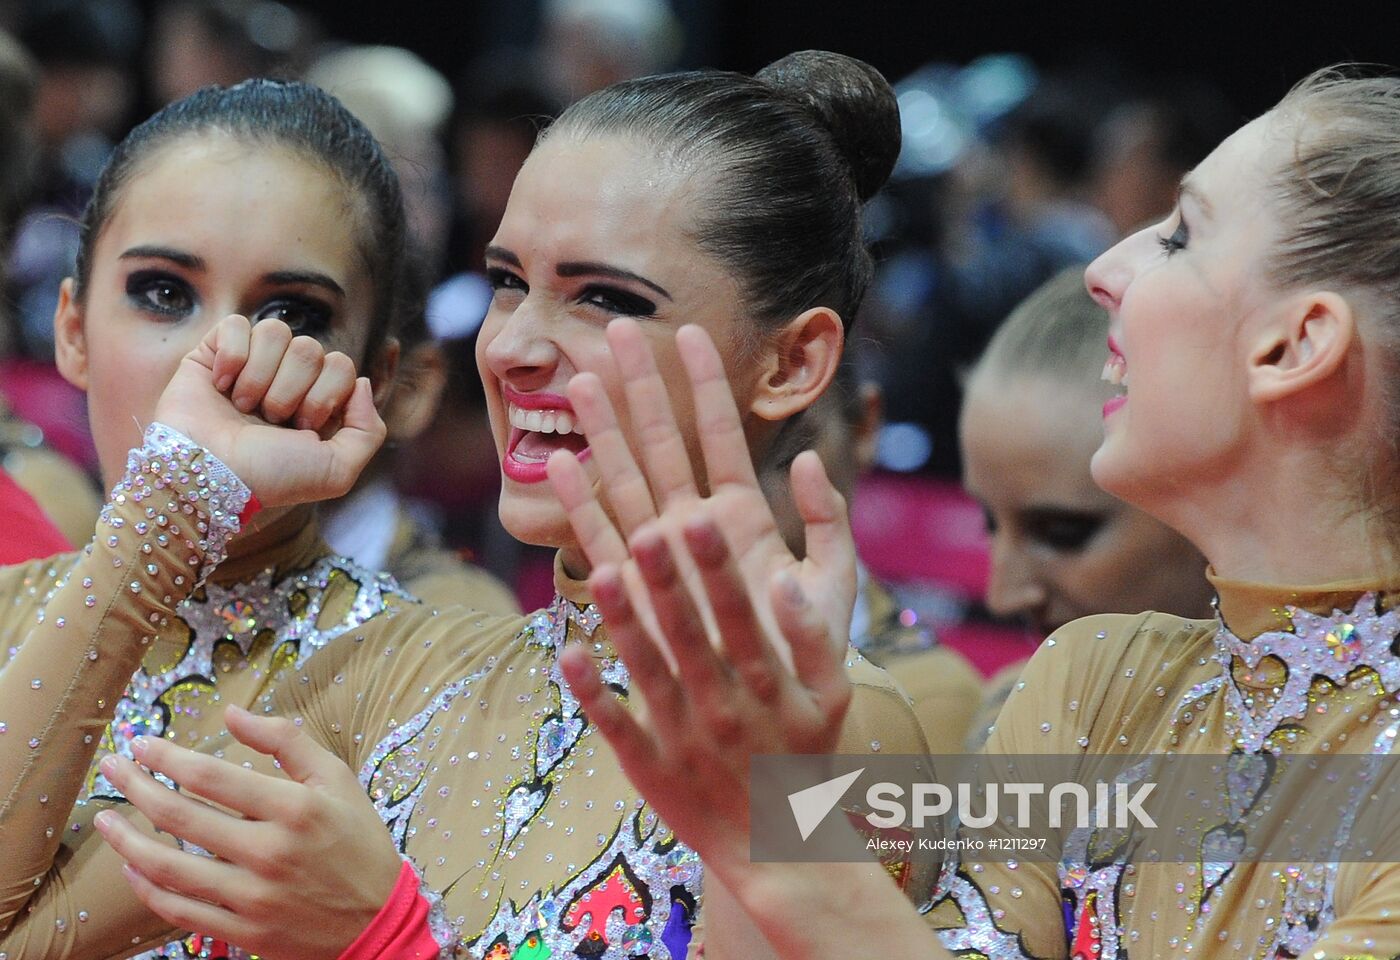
663,488
703,599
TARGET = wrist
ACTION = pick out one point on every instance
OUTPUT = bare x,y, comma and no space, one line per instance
410,926
181,494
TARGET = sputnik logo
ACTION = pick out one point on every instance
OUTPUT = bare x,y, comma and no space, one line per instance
810,806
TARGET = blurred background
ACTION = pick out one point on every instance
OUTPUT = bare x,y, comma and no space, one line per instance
1035,136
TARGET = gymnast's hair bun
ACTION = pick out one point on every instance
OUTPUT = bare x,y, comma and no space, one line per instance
854,103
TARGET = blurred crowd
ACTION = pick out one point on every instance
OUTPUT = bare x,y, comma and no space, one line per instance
1008,176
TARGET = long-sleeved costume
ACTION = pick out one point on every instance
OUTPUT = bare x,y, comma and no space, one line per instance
945,690
468,743
1282,673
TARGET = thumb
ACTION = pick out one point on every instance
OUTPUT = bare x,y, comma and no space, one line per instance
360,434
300,757
228,345
823,511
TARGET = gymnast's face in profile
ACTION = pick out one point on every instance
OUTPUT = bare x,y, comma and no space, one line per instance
205,227
595,229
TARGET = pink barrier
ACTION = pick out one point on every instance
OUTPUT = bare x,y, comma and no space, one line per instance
36,392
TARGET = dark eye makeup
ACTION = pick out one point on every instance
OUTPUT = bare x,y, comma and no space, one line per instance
501,279
170,297
617,301
1178,239
610,299
306,316
159,292
1066,531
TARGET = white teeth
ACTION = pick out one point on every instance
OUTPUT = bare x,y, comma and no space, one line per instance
542,421
1115,371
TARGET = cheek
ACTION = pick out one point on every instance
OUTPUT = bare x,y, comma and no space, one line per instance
1111,571
126,376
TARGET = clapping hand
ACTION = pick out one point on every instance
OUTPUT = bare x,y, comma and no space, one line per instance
734,644
299,864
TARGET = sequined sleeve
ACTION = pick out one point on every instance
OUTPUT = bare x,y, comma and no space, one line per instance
165,526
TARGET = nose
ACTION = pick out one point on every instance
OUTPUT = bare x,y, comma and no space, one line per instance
517,347
1013,587
1111,272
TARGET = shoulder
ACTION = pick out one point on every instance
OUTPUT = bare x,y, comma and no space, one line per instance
411,650
938,671
449,581
1093,647
29,583
396,664
880,716
1099,668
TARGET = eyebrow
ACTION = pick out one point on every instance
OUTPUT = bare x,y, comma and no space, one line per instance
180,257
191,262
1189,189
304,276
581,269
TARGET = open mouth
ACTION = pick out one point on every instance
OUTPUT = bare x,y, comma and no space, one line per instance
540,424
1115,371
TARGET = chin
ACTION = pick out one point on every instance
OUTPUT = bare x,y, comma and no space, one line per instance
536,520
1127,476
1105,469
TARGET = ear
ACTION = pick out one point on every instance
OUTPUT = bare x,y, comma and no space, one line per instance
1304,346
70,336
798,364
866,437
421,381
384,372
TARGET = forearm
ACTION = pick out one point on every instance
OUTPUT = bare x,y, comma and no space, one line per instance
82,908
164,527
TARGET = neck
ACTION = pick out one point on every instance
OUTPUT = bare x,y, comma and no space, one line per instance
270,529
1286,523
575,564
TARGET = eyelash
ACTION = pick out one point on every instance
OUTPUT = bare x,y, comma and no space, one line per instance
504,280
609,299
1067,534
316,315
142,283
618,301
1178,239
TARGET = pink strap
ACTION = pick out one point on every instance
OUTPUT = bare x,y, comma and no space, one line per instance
401,930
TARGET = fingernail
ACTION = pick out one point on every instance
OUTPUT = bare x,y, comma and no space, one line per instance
103,821
224,382
139,745
108,765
